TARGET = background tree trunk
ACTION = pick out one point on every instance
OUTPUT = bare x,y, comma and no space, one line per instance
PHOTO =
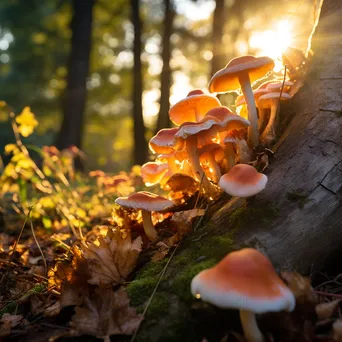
74,97
218,61
299,235
166,75
140,144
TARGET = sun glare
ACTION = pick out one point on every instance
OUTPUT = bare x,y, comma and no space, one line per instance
273,42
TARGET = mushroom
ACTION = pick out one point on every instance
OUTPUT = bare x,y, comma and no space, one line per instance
244,280
277,86
229,142
271,100
163,141
243,180
240,72
146,202
212,154
193,107
152,172
195,134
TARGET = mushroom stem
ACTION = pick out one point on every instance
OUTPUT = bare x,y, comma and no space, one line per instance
216,169
269,134
243,151
191,147
250,327
262,119
253,133
149,229
230,155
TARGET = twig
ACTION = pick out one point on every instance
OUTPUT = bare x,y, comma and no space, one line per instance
321,293
21,232
37,243
155,289
199,191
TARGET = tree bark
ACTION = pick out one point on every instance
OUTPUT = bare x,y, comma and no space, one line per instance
308,161
219,17
140,144
165,77
78,69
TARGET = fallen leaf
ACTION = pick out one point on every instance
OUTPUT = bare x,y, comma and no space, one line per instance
183,220
326,310
105,313
111,258
7,322
70,280
300,287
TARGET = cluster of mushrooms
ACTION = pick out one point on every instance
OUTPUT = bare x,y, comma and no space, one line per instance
213,146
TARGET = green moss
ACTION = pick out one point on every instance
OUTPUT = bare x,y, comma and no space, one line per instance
181,284
159,306
261,213
297,196
140,290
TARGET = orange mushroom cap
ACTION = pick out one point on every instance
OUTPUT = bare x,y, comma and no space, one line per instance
152,172
228,119
244,280
240,100
227,79
205,129
144,200
163,141
243,181
268,98
193,107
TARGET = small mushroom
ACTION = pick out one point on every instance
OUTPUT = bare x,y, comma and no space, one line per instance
195,134
193,107
152,172
146,202
244,280
163,141
241,72
277,86
243,180
212,154
230,152
271,100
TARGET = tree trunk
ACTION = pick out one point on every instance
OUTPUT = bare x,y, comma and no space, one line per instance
296,220
165,78
140,144
78,69
218,61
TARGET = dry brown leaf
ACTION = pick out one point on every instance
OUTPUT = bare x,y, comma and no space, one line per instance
111,258
53,309
183,220
337,330
300,287
326,310
106,313
70,280
162,251
7,322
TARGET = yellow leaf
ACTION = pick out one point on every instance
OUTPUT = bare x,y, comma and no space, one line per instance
27,122
11,148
